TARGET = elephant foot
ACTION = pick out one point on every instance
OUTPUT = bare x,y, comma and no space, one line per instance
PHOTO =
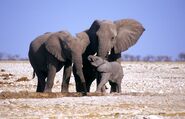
98,91
64,91
103,89
39,91
47,91
84,93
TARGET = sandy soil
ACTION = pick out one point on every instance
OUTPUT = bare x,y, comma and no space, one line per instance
149,90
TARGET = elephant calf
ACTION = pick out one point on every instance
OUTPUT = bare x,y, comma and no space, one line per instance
110,71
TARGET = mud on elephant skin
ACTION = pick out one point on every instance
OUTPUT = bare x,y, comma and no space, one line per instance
49,52
110,71
105,36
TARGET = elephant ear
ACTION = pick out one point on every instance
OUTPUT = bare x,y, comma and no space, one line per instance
53,46
128,33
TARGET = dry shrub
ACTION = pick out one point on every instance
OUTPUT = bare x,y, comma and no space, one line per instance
4,82
26,94
2,70
6,76
22,79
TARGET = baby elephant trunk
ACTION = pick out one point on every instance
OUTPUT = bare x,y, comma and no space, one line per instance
91,58
95,60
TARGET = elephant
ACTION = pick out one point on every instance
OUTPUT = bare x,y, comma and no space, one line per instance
51,51
107,39
110,71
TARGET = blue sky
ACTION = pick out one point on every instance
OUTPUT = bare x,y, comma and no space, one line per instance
23,20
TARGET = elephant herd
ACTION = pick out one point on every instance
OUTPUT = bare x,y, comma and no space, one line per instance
49,52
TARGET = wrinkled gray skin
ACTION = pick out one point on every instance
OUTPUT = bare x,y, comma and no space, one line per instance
49,52
110,71
107,36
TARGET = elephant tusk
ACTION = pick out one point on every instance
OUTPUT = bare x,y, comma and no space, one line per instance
109,52
95,54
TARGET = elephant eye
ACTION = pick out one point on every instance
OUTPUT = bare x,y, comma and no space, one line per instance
112,38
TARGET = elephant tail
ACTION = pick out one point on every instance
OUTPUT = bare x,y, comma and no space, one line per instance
33,74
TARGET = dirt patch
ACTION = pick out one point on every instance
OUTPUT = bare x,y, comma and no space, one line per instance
172,114
6,76
22,79
2,70
17,95
5,82
26,94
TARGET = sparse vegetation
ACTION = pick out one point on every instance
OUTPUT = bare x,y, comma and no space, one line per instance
125,57
5,56
2,70
151,58
6,76
22,79
181,57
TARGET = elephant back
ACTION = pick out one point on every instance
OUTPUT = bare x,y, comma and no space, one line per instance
39,41
128,33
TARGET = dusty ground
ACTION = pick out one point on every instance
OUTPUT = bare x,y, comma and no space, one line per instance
149,90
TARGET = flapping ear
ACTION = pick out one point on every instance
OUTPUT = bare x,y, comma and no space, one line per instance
53,46
128,33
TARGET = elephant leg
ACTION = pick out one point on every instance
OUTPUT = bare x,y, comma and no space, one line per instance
79,87
41,81
113,87
66,77
50,78
118,87
103,81
88,84
90,75
103,89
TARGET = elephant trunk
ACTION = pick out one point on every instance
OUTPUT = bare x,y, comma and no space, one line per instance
102,53
103,50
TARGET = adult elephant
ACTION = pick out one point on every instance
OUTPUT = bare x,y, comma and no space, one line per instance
48,53
107,36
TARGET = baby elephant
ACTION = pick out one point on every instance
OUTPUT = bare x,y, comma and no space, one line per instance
110,71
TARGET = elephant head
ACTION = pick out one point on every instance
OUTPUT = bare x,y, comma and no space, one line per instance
101,64
95,61
118,35
105,32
